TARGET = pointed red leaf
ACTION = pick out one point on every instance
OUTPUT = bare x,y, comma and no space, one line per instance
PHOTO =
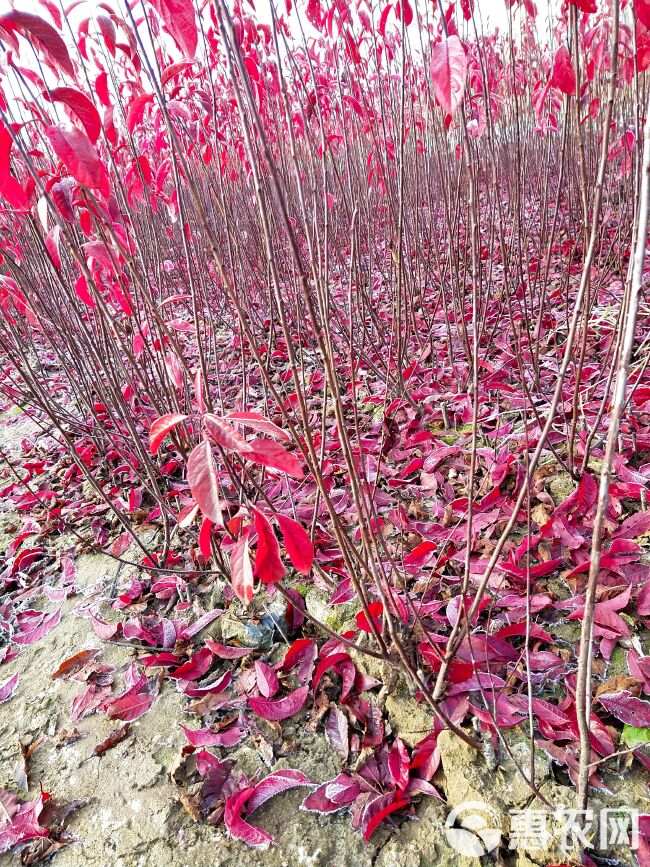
173,70
326,663
8,687
268,565
178,17
161,427
10,188
107,29
237,827
208,738
195,667
205,537
41,34
130,706
332,796
449,73
266,678
136,110
627,708
78,155
35,634
101,89
398,764
376,610
241,571
102,629
202,479
216,686
297,543
259,423
563,75
282,708
336,731
269,787
271,454
225,651
381,814
225,434
79,103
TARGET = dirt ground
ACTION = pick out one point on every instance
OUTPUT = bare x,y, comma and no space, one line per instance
133,816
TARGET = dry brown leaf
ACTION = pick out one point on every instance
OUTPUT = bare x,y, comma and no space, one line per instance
74,664
618,683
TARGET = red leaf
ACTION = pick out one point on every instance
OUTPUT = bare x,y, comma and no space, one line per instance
627,708
468,7
89,701
8,687
129,707
225,434
224,651
241,571
302,654
282,708
10,188
376,610
379,817
421,554
38,632
74,664
202,479
563,75
115,737
336,731
237,827
269,787
642,10
383,18
161,427
408,12
334,795
102,629
266,678
209,738
78,155
173,70
272,454
107,29
449,73
81,288
216,686
637,524
297,543
195,667
398,764
205,536
268,565
52,245
20,822
259,423
41,34
136,110
101,89
326,663
178,18
79,103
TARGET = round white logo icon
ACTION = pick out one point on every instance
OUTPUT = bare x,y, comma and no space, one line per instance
472,829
